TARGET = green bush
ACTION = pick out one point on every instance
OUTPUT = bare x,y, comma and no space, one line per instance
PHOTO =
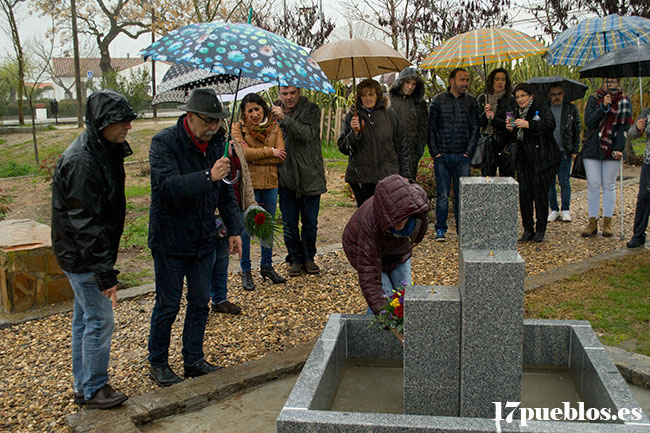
12,169
426,177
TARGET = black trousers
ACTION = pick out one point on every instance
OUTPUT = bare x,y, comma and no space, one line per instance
642,205
533,192
495,156
362,191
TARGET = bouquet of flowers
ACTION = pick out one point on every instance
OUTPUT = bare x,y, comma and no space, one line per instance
391,317
259,223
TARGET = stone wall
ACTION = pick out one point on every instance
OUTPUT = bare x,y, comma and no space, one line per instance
30,276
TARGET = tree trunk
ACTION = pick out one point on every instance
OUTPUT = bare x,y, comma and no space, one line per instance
31,105
105,56
21,61
77,67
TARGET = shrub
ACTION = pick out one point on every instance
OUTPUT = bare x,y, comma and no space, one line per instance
47,166
426,177
4,205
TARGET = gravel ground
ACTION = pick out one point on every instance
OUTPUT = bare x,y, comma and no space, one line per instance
36,381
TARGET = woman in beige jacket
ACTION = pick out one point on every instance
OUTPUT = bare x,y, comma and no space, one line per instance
263,145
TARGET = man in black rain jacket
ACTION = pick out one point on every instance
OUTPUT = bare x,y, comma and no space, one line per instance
88,209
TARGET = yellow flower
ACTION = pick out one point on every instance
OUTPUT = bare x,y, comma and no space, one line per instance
394,303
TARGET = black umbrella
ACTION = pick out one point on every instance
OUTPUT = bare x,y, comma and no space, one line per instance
179,81
572,89
632,61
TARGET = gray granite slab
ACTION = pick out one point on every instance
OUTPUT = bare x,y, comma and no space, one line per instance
546,342
432,350
370,342
489,211
492,298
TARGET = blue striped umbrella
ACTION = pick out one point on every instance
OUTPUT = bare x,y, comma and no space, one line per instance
594,37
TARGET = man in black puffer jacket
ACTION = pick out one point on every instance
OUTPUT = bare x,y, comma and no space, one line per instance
453,135
88,209
187,166
406,98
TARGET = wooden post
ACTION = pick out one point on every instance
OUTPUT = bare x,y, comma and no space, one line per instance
329,125
322,120
337,122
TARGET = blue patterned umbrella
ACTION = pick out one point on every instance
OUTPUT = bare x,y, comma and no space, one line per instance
594,37
227,48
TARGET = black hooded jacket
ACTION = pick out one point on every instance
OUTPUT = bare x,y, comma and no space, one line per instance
88,204
411,110
184,199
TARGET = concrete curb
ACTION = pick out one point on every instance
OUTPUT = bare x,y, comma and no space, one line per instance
190,395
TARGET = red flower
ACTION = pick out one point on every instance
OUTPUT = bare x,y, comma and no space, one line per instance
399,311
260,218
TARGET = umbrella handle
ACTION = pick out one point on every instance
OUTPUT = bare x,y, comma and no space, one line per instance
232,181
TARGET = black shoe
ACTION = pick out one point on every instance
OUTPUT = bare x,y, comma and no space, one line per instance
311,267
271,275
527,236
226,307
164,376
247,281
79,398
538,237
200,368
295,270
635,242
106,398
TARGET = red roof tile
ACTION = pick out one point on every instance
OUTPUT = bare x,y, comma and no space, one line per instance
64,66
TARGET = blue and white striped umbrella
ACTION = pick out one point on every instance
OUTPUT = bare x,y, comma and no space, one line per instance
594,37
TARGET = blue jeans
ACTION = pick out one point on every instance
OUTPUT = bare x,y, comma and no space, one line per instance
268,199
219,281
448,168
392,280
92,328
170,271
301,244
563,176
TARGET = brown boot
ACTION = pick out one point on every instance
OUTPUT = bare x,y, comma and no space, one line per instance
591,229
607,227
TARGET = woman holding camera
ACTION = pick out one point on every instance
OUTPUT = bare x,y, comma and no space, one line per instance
608,115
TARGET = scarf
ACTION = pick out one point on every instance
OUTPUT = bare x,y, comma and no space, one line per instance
201,145
620,112
493,100
261,131
522,115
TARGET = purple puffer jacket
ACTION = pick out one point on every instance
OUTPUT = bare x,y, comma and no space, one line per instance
367,242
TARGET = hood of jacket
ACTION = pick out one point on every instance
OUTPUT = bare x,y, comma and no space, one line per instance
408,74
396,199
106,107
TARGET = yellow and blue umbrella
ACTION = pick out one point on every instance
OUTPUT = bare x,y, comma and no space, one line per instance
243,50
593,37
483,46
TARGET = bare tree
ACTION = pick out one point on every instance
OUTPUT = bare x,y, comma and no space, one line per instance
416,26
9,8
304,25
104,20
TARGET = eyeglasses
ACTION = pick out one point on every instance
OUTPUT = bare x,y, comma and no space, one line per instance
208,121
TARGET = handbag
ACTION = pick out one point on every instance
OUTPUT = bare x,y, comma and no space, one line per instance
477,158
578,169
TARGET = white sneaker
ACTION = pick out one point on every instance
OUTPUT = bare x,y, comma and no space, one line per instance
552,216
566,216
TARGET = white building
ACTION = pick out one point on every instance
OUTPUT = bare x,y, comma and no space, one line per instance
63,72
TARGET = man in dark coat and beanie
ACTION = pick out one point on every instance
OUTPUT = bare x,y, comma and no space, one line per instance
88,209
187,166
380,237
407,99
301,178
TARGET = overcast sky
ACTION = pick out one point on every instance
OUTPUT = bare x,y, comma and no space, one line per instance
32,28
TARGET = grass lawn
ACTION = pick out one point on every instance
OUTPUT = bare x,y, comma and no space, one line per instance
614,298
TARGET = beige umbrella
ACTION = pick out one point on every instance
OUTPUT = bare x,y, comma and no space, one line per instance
351,58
